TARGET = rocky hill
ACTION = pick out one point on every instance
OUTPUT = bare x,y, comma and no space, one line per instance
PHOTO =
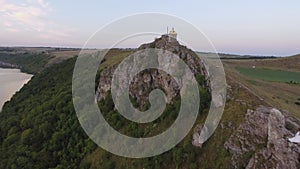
259,139
39,127
154,78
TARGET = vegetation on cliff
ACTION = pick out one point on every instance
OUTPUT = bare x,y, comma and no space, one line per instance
39,127
31,63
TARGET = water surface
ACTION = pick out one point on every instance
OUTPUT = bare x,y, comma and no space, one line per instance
11,81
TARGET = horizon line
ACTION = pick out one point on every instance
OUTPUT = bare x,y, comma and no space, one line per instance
94,48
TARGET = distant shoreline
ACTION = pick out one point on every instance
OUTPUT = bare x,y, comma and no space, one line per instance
74,48
6,65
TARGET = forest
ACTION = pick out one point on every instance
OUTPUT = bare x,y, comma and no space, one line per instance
39,127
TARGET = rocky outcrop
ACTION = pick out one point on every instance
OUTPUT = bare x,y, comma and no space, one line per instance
196,136
187,55
262,138
105,82
150,79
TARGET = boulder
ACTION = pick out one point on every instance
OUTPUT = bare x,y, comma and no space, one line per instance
262,138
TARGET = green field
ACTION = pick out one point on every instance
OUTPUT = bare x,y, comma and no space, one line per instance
270,74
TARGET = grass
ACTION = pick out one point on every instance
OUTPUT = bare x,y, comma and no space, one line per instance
272,87
213,153
60,56
270,74
114,56
29,62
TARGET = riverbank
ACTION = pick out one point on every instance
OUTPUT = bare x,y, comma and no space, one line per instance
12,80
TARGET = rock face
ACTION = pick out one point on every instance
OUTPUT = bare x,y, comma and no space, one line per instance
153,78
196,136
262,138
187,55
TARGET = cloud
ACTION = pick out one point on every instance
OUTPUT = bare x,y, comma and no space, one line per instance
28,16
33,16
43,3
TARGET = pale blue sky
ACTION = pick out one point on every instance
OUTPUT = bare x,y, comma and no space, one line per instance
266,27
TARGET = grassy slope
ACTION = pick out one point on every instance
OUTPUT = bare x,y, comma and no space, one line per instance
276,94
29,62
60,56
287,63
212,155
34,60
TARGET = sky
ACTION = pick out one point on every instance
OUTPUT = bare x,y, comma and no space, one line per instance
258,27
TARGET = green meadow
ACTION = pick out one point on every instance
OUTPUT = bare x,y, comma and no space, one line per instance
270,74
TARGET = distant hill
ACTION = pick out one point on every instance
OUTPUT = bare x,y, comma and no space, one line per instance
291,63
236,56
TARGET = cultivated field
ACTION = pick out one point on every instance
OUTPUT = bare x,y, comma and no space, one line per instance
270,79
272,75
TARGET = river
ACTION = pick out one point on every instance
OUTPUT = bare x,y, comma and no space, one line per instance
11,81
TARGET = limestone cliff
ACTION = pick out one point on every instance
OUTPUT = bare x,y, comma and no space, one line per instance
263,138
153,78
